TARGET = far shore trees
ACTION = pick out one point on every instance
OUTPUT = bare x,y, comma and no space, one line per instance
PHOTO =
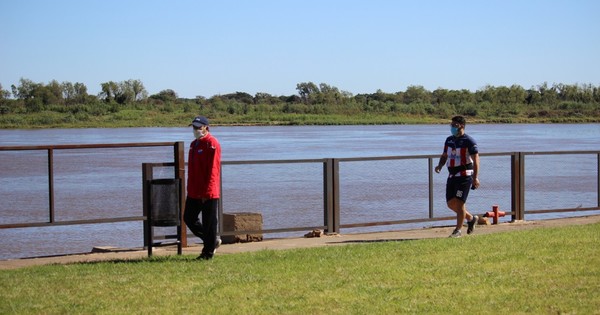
490,103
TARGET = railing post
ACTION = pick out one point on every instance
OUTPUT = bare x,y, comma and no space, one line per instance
220,226
50,186
146,178
331,195
518,185
514,189
327,195
522,186
179,160
430,188
336,195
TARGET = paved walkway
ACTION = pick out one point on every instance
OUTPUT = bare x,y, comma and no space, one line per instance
289,243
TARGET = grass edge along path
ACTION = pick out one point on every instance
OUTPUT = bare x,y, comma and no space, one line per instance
546,270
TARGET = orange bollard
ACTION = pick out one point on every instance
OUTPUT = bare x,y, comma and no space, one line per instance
494,214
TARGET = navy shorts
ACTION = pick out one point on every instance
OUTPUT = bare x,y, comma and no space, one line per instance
458,187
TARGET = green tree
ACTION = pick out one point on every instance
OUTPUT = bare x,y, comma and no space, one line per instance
518,94
548,95
440,96
457,97
68,91
241,97
307,91
4,94
487,94
109,91
25,89
123,92
126,93
596,94
4,102
81,95
417,94
533,96
586,93
36,95
329,94
566,92
52,93
137,89
166,96
265,98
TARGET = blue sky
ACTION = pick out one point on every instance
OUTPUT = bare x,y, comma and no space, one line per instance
205,48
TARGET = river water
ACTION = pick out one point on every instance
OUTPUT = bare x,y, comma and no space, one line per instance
92,185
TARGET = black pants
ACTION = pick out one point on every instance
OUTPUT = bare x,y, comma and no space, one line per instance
206,229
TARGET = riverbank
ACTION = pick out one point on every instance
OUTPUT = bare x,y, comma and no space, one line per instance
127,118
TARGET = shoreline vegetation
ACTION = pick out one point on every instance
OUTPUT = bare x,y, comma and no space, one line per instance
127,104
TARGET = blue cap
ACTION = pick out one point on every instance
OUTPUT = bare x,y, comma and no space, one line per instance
199,121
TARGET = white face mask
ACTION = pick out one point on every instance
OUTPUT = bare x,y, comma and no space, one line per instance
198,133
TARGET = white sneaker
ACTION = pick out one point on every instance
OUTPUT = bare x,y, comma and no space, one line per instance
217,245
456,234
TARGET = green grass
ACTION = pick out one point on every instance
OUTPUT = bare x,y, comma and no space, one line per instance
541,271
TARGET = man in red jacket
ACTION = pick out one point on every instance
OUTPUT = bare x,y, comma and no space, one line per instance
203,187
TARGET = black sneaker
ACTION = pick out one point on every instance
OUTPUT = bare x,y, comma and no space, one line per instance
471,224
204,256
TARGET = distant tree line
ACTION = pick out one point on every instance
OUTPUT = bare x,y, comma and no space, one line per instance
544,99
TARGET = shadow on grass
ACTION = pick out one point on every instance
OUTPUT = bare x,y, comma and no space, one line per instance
143,260
376,241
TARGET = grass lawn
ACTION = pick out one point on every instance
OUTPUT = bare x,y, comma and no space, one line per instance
540,271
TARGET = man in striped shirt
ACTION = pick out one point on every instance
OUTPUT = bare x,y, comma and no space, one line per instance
461,156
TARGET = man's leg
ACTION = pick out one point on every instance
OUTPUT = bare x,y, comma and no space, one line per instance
457,191
190,217
458,206
210,221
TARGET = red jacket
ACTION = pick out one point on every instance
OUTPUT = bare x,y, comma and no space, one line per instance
204,168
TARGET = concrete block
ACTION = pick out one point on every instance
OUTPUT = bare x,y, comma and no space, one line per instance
242,221
483,221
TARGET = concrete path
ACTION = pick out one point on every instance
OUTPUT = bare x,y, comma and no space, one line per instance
300,242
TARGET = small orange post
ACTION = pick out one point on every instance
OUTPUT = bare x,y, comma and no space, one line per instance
495,214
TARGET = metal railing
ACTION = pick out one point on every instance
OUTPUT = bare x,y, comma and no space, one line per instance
340,195
178,164
511,165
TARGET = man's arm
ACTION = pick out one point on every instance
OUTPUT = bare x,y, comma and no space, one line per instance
475,171
441,163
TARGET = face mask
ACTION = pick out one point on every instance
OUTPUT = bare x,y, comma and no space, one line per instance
198,133
454,131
